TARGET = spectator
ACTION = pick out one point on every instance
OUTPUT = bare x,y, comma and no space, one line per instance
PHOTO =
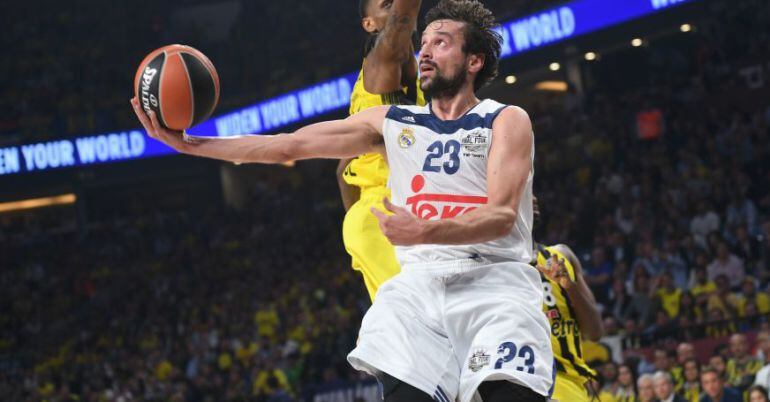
723,299
598,274
719,363
727,264
664,388
714,389
640,308
750,295
703,224
668,295
691,388
741,367
646,388
741,212
758,393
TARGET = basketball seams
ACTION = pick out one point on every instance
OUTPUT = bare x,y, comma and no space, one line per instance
192,92
160,87
171,108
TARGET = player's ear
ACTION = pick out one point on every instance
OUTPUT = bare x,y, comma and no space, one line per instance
369,25
475,63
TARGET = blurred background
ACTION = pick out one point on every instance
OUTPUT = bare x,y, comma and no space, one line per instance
144,275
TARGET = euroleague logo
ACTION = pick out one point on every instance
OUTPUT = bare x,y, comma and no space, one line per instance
147,97
440,206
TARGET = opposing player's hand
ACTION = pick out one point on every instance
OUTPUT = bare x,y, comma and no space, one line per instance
172,138
556,270
401,227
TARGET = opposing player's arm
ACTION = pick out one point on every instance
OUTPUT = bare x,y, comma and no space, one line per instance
350,194
358,134
508,168
383,66
582,299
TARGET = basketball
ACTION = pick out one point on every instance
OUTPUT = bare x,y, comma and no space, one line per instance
178,83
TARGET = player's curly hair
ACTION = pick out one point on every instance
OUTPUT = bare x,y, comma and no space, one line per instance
480,34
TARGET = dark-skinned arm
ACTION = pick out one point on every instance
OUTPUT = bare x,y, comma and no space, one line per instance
393,52
349,194
582,299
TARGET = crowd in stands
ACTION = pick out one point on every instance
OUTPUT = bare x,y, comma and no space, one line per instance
72,70
673,230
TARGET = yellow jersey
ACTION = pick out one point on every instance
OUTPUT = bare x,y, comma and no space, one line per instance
565,331
370,170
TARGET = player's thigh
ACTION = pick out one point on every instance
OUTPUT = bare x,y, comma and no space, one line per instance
401,335
498,329
506,391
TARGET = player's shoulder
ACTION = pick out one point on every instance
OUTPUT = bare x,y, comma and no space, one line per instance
511,114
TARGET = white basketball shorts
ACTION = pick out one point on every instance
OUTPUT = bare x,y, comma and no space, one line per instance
446,327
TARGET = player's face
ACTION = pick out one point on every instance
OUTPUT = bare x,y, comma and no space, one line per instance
443,64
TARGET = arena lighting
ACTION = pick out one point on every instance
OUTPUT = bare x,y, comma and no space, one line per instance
511,79
555,86
32,203
554,66
685,28
636,42
590,56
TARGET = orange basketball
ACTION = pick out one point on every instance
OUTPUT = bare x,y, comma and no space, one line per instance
178,83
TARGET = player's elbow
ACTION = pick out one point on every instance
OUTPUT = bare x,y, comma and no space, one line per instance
594,332
288,151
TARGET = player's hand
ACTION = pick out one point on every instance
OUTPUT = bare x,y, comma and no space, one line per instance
556,270
174,139
401,227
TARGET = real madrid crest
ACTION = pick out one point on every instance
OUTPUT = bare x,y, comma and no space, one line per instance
406,138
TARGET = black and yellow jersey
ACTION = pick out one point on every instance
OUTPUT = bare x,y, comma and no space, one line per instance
565,331
370,170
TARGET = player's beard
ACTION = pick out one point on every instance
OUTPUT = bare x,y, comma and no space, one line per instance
441,86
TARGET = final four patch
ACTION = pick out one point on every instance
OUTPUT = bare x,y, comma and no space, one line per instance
474,144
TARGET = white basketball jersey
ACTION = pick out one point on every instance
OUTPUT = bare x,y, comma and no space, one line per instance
438,170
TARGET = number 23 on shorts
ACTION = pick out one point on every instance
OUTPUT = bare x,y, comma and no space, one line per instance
507,352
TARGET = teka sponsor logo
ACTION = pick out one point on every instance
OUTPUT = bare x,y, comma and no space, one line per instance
440,206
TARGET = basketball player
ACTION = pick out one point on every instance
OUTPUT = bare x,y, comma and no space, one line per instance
388,76
571,308
463,319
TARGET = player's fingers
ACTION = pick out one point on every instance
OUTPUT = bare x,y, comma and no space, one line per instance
543,269
386,203
142,116
379,214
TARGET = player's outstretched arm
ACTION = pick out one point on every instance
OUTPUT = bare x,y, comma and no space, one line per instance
383,66
358,134
581,298
508,168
